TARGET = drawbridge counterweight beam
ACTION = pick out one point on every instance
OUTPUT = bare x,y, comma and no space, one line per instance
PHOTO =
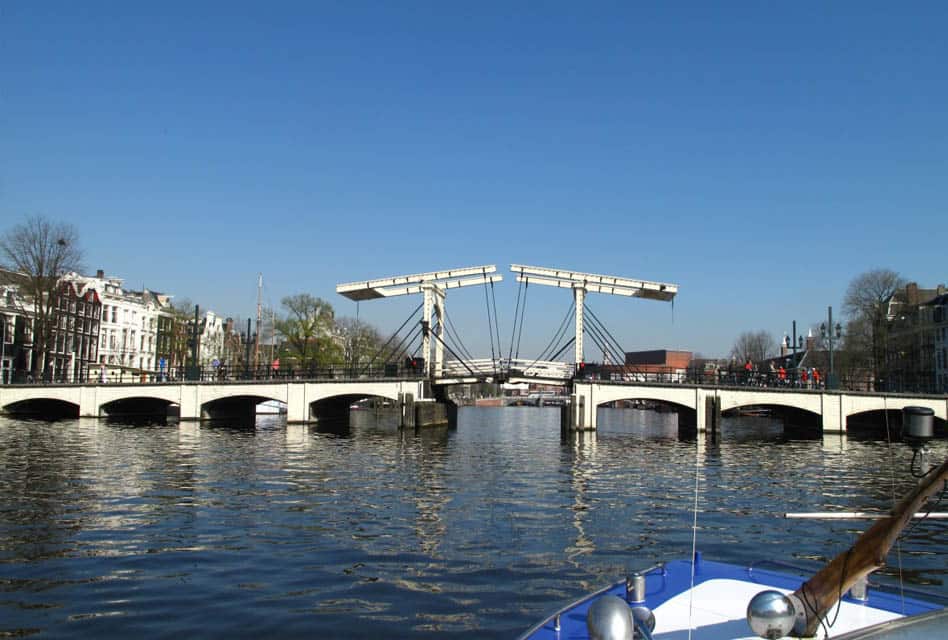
583,283
433,285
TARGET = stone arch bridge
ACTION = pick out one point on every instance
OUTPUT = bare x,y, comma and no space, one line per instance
305,400
832,408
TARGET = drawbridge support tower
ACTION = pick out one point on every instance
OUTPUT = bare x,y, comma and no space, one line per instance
433,285
578,418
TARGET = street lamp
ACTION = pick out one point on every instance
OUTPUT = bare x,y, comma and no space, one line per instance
794,344
827,330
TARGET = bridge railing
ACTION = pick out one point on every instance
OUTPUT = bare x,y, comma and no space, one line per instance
482,367
790,379
96,374
541,369
488,367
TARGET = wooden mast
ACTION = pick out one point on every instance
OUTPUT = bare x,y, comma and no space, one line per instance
823,590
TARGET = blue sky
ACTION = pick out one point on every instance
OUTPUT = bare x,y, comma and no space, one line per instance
759,156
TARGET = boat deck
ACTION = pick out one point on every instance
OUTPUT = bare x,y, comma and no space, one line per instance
716,608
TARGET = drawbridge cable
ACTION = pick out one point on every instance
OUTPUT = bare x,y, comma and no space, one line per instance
603,327
563,348
523,312
596,333
409,338
457,336
564,325
556,337
456,357
598,340
513,332
490,326
500,349
389,341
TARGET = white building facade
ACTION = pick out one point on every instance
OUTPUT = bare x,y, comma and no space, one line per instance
128,330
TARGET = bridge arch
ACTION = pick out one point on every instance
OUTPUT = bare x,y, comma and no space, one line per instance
239,406
609,412
335,408
137,406
43,408
799,420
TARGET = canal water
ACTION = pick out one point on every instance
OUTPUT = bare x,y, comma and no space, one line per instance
115,530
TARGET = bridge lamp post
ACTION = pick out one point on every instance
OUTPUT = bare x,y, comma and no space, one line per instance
794,343
3,348
831,381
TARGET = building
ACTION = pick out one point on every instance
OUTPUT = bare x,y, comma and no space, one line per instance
939,312
645,366
211,334
912,331
74,335
16,331
74,344
658,360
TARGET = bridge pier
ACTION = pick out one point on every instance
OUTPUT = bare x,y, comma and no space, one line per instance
832,417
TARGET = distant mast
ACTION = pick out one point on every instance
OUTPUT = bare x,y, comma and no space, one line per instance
256,342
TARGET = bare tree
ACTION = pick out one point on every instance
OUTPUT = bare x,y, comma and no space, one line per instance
754,346
866,304
40,252
360,340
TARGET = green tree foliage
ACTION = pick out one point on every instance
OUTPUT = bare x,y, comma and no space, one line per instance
41,252
308,332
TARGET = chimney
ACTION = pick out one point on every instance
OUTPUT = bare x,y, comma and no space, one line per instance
100,274
911,294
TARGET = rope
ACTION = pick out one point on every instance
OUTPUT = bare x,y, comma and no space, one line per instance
694,538
898,541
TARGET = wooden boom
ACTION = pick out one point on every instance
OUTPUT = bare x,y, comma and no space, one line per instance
823,590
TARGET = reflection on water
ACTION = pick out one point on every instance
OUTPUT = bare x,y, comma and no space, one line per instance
360,529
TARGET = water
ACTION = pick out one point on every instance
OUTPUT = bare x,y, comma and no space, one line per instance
119,530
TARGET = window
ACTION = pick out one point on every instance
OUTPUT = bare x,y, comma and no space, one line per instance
114,314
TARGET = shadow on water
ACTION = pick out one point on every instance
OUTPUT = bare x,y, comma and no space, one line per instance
639,423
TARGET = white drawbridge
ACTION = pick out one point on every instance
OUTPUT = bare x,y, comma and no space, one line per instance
433,285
